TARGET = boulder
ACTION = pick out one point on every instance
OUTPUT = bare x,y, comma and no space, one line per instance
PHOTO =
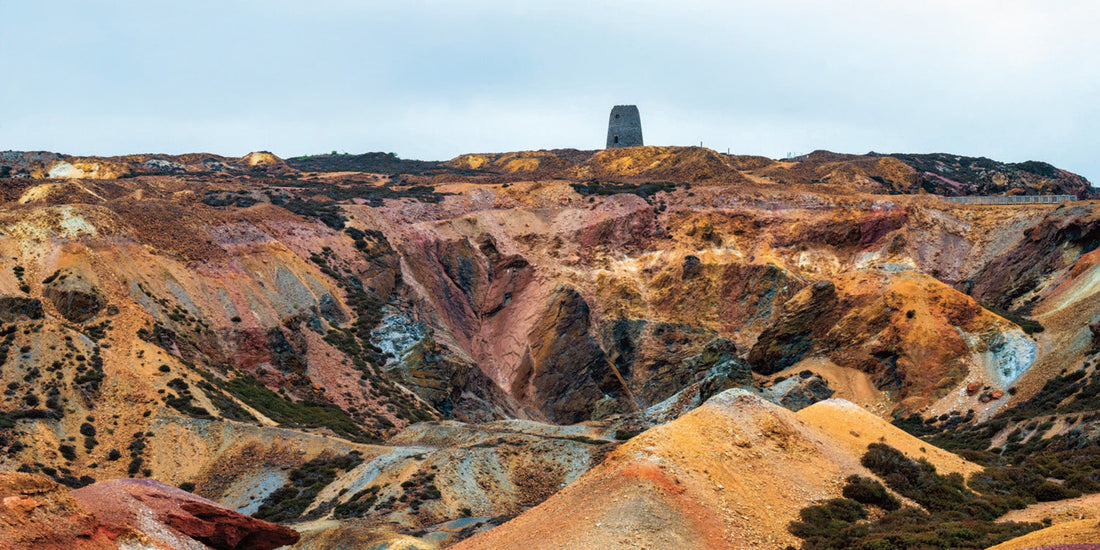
799,392
180,518
76,299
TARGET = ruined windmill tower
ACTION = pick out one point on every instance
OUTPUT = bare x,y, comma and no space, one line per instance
624,129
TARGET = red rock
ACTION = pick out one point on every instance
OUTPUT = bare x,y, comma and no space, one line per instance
127,504
997,394
973,388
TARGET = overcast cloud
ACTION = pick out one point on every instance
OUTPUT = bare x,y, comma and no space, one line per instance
1011,80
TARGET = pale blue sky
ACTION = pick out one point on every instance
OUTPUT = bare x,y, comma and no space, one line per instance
1011,80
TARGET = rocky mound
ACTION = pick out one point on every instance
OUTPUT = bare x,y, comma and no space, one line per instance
185,519
939,174
261,158
40,514
885,175
675,164
730,474
525,164
40,165
379,163
946,174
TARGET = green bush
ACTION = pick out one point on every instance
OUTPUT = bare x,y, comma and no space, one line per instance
868,491
954,517
1049,491
303,413
303,484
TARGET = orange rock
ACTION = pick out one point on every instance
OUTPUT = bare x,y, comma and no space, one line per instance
20,504
998,394
973,388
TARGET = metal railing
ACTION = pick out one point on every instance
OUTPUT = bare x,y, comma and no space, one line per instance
1012,199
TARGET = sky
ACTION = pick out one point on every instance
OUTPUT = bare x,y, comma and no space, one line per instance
1006,79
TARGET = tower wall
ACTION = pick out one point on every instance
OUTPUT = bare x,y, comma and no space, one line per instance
624,127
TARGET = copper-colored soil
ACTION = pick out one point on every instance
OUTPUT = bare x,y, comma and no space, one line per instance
1074,532
730,474
1059,511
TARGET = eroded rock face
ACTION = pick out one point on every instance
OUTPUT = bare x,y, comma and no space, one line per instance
452,385
185,519
556,374
659,359
881,322
1009,280
785,343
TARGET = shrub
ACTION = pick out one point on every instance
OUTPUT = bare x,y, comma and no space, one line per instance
67,451
955,516
1049,491
868,491
302,486
832,519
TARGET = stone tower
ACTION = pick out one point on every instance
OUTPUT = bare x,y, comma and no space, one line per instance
624,129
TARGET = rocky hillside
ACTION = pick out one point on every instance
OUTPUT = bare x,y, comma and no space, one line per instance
389,350
945,174
939,174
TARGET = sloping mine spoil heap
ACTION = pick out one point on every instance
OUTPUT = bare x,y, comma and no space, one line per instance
729,474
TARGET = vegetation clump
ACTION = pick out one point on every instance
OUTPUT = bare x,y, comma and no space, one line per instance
359,504
303,484
644,190
953,516
182,400
306,414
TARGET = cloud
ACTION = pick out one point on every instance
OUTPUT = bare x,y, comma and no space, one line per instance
1009,79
